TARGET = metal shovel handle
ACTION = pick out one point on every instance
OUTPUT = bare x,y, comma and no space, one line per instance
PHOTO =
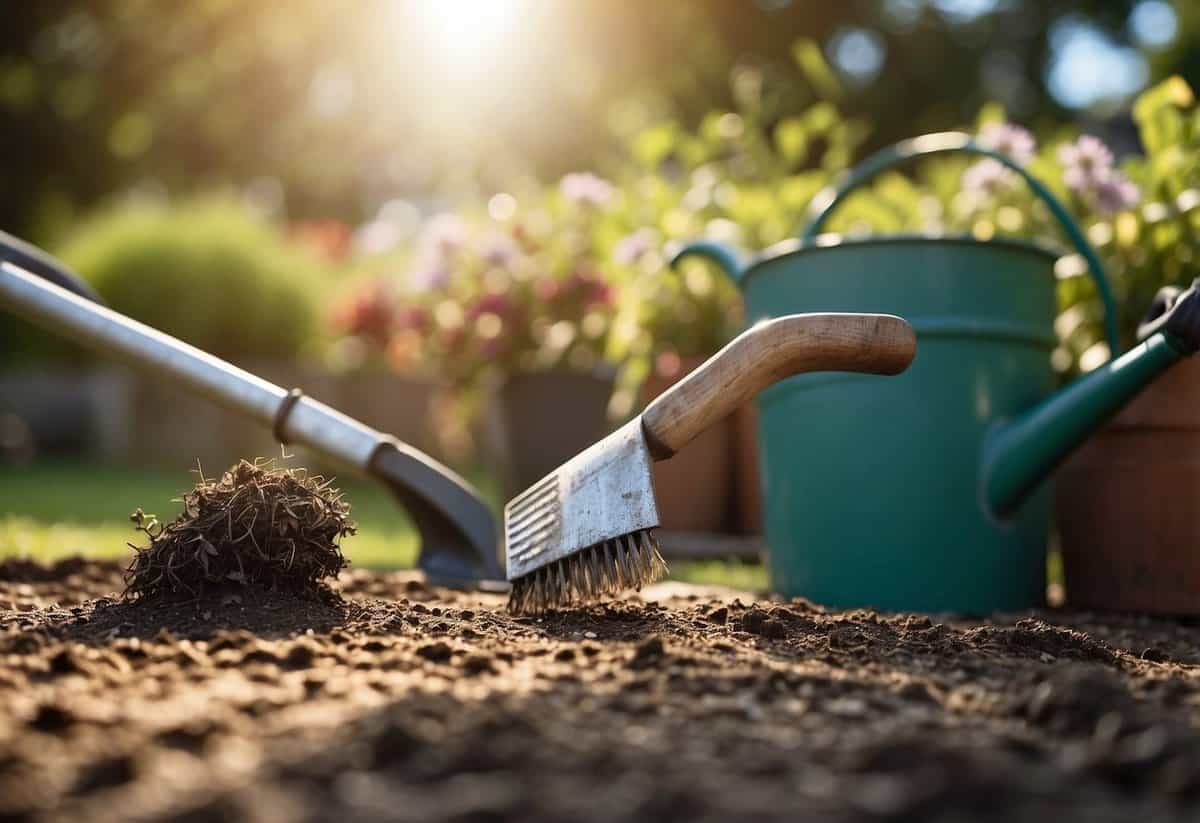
769,352
306,422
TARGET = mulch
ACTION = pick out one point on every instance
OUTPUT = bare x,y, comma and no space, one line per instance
397,701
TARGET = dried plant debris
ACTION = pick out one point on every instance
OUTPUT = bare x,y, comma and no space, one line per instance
257,526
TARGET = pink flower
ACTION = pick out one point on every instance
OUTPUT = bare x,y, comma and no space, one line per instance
431,273
548,289
500,250
1088,171
1085,162
987,177
492,348
1115,193
587,287
498,304
600,294
630,248
414,318
444,234
586,189
578,282
1009,139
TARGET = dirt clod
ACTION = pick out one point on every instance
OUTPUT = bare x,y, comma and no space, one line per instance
435,652
257,526
647,653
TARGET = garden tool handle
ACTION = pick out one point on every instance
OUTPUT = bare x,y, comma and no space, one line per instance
294,419
953,141
766,353
32,259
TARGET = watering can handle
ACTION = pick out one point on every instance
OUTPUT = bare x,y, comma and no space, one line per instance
953,141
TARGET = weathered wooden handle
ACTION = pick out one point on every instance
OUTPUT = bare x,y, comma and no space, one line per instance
766,353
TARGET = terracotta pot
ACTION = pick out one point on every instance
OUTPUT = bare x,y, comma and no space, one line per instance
1126,505
546,418
694,488
747,479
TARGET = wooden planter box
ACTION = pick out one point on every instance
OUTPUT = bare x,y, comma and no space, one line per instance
748,500
1126,504
545,419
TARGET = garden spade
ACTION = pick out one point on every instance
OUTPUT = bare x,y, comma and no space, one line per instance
585,530
458,532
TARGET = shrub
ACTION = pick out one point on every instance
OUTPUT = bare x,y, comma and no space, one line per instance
208,273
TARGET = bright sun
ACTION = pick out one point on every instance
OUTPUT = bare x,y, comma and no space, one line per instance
465,27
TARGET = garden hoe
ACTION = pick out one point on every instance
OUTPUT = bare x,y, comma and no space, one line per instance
458,532
585,530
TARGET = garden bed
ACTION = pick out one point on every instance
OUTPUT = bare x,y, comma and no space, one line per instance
410,703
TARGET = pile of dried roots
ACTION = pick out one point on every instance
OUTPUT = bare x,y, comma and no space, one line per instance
258,525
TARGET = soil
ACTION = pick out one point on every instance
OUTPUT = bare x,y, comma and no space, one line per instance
403,702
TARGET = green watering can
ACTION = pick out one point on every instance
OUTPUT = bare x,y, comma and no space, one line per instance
924,491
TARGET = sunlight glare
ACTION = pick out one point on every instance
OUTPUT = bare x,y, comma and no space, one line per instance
464,27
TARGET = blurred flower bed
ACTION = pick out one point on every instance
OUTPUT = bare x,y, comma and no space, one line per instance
571,277
575,276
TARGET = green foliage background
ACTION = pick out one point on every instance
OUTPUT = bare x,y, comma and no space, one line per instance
188,95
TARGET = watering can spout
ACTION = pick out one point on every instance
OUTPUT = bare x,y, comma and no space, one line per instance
1019,453
728,258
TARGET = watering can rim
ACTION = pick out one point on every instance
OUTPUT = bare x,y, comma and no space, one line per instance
828,241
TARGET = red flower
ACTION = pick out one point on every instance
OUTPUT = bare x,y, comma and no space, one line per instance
548,289
368,315
414,318
589,288
601,294
490,303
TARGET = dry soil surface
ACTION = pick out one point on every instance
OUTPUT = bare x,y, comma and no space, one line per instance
409,703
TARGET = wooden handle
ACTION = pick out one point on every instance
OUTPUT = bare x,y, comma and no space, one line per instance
766,353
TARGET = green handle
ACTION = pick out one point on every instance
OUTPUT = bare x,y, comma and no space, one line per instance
729,259
953,141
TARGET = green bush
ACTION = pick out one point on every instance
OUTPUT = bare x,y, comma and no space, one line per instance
208,273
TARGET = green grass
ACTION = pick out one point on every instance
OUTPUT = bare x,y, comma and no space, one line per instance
744,576
52,510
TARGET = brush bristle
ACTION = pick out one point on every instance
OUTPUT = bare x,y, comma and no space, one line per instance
626,562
